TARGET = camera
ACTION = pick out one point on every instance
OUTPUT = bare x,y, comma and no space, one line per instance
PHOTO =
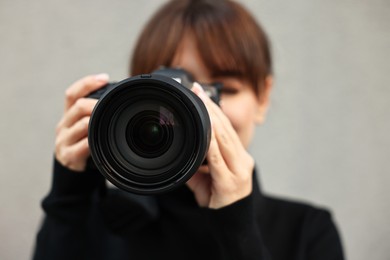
150,133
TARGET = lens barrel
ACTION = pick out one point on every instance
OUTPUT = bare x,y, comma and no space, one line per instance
149,134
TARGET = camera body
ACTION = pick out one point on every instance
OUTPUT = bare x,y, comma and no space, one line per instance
150,133
180,75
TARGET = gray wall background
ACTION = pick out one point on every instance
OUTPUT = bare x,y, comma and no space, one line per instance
326,139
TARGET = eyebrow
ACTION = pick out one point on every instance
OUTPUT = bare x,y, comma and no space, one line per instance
227,74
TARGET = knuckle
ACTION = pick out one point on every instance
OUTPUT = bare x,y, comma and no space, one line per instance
88,81
69,94
215,158
58,150
58,128
80,105
62,155
251,162
86,145
84,122
59,144
227,188
224,138
79,102
67,158
60,125
244,177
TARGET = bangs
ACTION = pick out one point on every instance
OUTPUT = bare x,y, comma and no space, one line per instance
220,53
229,40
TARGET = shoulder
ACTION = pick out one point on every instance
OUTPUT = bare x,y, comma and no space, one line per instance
304,220
308,226
296,211
293,206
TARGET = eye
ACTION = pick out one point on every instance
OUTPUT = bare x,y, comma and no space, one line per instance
229,90
229,86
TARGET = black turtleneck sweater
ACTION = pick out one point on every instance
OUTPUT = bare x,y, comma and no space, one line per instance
86,220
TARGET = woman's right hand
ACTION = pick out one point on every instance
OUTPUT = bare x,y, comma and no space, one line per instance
71,147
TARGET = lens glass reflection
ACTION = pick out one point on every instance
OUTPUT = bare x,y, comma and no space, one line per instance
150,133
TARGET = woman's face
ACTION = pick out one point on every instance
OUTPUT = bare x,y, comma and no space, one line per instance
238,100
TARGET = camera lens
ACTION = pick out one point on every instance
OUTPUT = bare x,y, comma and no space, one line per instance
149,135
137,118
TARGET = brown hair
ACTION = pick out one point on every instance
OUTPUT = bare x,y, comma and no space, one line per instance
229,40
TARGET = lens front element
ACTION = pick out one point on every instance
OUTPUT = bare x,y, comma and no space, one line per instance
149,135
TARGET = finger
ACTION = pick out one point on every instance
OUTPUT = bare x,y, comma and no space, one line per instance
226,146
227,139
215,112
198,182
216,162
204,169
200,185
83,107
79,150
75,133
229,144
83,87
229,134
75,156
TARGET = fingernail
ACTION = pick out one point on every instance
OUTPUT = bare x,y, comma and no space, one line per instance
196,87
198,90
102,77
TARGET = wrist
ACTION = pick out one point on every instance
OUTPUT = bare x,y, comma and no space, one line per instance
68,181
230,196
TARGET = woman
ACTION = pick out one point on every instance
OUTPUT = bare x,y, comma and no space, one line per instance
221,212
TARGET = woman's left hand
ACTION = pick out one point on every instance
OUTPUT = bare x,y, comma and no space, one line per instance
228,176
